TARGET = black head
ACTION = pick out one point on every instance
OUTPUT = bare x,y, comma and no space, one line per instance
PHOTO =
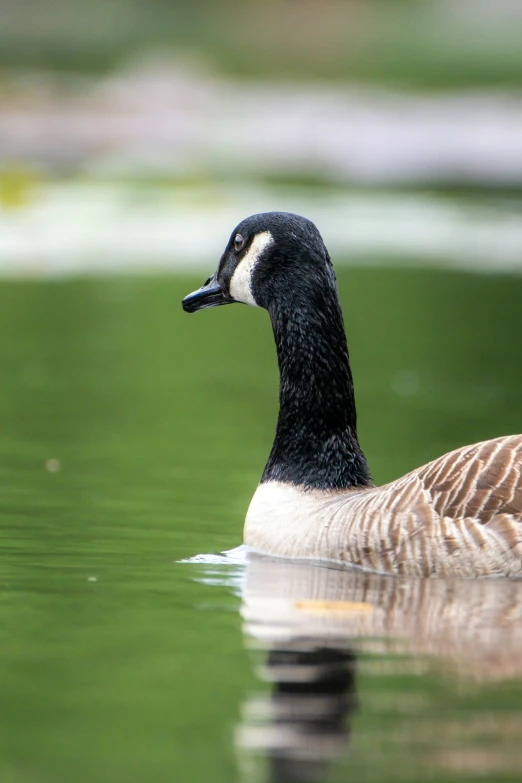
269,257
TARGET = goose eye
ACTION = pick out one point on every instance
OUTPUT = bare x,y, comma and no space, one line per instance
239,242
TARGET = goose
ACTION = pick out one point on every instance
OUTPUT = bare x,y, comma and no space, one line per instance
458,516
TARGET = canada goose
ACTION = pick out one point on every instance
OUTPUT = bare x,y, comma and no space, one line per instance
460,515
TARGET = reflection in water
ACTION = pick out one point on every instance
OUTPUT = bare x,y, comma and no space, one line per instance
313,620
473,626
306,724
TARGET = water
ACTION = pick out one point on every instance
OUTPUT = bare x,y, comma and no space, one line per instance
362,671
132,437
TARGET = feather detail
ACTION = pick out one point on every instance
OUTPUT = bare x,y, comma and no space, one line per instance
460,515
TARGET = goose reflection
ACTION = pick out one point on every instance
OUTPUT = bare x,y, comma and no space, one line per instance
312,623
305,723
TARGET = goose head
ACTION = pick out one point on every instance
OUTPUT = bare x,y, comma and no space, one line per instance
278,261
269,258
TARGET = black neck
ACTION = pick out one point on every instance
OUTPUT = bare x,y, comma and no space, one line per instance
316,442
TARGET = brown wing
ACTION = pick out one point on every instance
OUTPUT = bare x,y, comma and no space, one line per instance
467,518
460,515
479,481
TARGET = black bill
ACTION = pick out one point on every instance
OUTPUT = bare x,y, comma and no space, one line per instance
209,295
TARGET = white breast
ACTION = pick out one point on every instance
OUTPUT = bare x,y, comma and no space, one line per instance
288,521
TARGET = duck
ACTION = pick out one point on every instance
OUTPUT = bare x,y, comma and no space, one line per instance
457,516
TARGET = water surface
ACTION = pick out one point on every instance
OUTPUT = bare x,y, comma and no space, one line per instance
132,436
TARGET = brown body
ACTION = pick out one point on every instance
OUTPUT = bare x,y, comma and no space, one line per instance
460,515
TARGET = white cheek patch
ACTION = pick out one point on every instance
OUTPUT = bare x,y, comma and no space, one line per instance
241,282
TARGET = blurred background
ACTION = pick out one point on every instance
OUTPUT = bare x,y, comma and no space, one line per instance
133,137
134,134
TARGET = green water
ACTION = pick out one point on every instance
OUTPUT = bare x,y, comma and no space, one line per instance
131,436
